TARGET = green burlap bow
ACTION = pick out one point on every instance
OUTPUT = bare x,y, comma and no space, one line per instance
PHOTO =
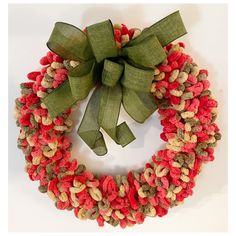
121,76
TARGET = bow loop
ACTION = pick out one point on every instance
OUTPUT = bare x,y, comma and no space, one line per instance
146,53
82,79
166,30
101,39
137,79
69,42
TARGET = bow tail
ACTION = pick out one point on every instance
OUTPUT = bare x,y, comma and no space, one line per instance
139,105
103,112
89,127
109,113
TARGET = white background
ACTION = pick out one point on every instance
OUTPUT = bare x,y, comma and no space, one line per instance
29,29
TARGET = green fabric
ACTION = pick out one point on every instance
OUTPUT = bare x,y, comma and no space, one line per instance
120,76
142,106
102,41
69,42
166,30
146,53
111,73
89,128
109,113
81,79
59,100
137,79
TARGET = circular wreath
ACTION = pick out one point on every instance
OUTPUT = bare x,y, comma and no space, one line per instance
187,112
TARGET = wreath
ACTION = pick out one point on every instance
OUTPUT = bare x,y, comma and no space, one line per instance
143,71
